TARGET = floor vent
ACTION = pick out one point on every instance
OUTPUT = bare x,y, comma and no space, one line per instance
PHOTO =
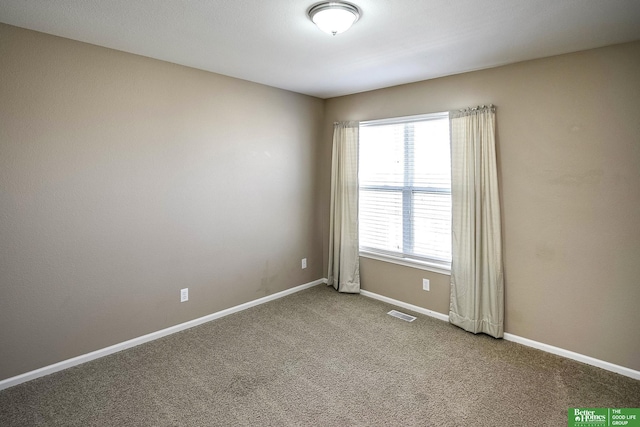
402,316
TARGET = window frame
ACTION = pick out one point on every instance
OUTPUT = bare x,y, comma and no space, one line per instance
407,190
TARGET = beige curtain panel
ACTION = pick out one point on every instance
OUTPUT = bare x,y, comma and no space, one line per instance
477,282
344,261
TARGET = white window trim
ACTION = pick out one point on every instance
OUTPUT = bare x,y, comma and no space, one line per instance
442,268
431,265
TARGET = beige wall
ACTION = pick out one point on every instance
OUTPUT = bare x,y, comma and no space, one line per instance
569,157
124,179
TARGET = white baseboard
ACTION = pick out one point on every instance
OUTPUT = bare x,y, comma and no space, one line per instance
27,376
46,370
628,372
405,305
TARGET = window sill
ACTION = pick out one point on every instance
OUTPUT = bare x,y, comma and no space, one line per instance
407,262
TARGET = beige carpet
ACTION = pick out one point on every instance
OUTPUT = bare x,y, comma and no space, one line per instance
319,358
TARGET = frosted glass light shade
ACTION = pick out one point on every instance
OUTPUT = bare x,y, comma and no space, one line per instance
334,17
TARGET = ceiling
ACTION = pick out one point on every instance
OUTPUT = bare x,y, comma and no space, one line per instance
395,41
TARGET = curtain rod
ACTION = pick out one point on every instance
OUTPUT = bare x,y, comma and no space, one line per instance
461,110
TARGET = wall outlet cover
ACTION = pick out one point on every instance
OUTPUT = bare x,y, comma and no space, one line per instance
184,294
425,284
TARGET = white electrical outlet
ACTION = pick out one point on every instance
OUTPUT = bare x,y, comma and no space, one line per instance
304,263
184,294
425,284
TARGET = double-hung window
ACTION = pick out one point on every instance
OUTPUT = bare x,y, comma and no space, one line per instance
405,190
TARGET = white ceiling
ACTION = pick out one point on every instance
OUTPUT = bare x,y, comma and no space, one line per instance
394,42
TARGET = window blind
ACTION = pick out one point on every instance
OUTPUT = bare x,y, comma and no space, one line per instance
405,187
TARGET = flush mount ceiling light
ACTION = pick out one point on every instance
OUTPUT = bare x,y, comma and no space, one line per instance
334,17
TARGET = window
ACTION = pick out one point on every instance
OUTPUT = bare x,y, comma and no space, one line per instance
405,190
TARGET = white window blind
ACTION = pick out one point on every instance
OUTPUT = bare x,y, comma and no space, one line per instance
405,188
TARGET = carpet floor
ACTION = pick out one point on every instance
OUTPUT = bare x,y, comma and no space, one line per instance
319,358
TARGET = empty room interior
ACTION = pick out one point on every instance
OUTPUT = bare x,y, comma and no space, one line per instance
171,204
